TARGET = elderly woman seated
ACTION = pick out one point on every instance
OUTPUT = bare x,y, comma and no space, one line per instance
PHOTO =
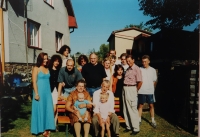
80,109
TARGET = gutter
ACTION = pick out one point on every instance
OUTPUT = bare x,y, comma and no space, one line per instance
72,30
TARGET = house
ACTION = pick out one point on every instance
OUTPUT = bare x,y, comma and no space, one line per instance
34,26
123,40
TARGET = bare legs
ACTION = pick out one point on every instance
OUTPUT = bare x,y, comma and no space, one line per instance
77,128
105,125
151,111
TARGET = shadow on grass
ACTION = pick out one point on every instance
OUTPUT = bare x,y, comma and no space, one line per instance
171,102
164,106
11,109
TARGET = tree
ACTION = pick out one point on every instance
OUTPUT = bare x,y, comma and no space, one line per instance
92,51
103,50
78,52
170,13
141,26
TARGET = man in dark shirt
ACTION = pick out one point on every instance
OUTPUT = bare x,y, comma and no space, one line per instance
68,76
94,74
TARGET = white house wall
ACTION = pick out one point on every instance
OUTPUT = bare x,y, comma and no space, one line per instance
50,20
6,37
124,40
121,45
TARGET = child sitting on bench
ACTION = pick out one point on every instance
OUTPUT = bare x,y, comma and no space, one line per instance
102,111
81,111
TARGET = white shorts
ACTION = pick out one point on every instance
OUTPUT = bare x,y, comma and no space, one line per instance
55,96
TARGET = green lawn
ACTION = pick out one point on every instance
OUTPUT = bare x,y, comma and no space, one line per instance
15,122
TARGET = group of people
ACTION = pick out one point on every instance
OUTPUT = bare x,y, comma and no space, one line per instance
89,92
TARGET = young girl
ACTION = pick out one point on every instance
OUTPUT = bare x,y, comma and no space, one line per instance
65,52
54,67
117,80
82,60
102,110
117,84
81,111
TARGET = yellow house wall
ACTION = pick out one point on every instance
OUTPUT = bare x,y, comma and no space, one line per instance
125,40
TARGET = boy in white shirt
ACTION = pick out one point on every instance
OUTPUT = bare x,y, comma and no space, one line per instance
146,92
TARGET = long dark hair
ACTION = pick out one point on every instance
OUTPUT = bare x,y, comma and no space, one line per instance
40,59
117,67
82,57
54,58
63,48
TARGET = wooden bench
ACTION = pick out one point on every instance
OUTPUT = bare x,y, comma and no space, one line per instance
62,118
117,110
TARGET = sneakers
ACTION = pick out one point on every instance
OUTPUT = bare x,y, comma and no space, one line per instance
153,124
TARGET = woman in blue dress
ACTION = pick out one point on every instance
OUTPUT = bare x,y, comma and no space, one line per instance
42,120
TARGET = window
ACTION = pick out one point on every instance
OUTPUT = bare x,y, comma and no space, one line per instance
50,2
58,40
33,34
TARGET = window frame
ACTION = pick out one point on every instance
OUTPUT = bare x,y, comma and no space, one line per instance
38,46
51,3
56,40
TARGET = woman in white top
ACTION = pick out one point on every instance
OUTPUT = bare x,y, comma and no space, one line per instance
112,62
108,69
65,51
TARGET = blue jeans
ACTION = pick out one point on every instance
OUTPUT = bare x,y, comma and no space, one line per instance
92,90
67,91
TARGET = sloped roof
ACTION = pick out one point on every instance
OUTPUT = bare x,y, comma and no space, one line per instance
127,29
71,15
142,35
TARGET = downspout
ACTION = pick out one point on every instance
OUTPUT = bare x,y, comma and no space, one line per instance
26,47
72,30
2,40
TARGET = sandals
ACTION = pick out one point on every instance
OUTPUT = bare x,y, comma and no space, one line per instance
46,134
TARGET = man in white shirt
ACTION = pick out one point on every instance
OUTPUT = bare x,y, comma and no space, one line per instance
146,92
113,117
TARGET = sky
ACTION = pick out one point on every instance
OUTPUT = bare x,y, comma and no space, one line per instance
97,19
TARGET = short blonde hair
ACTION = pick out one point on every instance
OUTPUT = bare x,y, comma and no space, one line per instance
106,95
106,81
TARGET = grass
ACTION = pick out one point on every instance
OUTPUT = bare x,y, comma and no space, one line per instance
15,122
